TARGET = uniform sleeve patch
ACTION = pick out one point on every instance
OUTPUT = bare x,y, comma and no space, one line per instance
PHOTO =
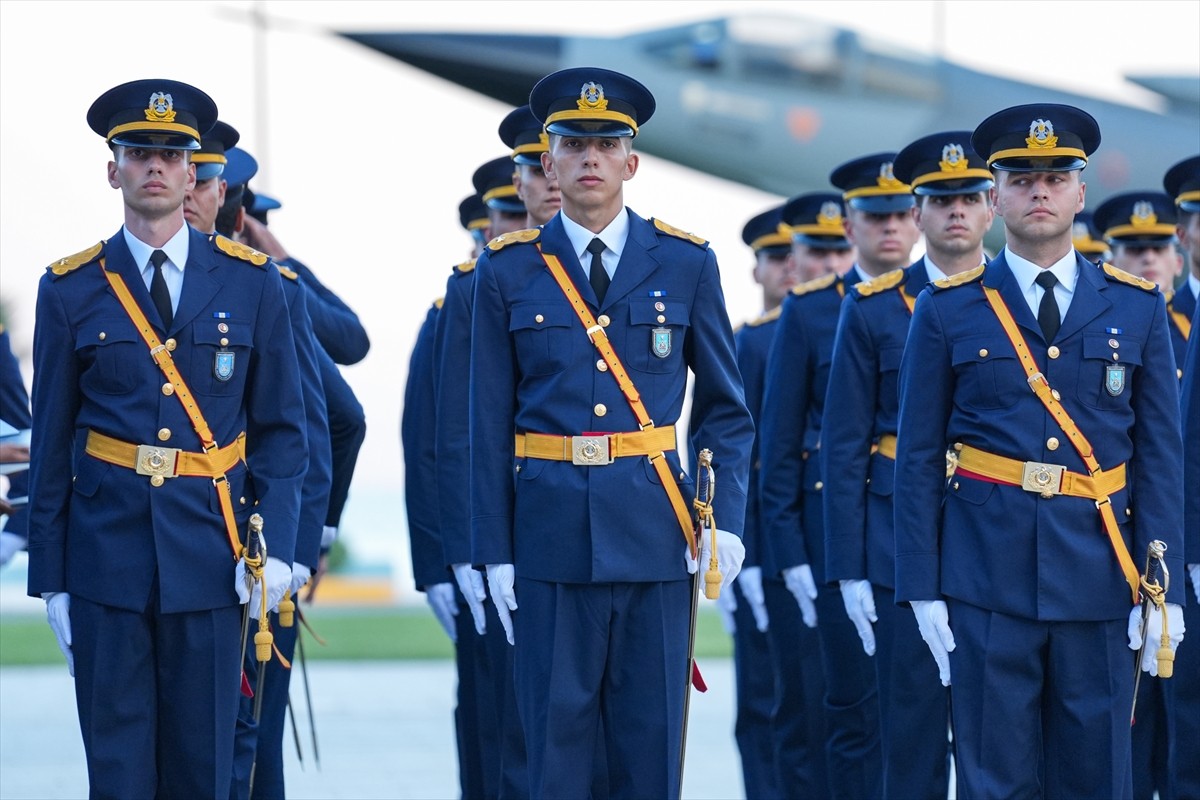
887,280
71,263
961,278
240,251
514,237
671,230
1126,277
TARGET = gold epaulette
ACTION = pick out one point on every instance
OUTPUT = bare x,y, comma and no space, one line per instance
823,282
438,303
288,272
762,319
71,263
466,266
671,230
514,237
240,251
959,279
887,280
1126,277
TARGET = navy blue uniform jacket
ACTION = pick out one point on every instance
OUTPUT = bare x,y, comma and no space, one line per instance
420,467
997,546
103,532
793,401
533,369
862,404
753,341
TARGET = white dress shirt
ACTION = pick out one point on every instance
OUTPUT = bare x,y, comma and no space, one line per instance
614,237
176,249
1026,273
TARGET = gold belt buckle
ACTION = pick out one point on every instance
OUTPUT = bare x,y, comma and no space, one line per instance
590,451
157,462
1044,479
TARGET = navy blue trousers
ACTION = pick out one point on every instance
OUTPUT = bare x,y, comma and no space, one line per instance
1025,691
914,707
157,696
798,721
754,680
1153,736
602,660
1185,744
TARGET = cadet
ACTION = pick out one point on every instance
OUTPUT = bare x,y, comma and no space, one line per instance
140,479
819,245
858,452
344,339
522,132
744,608
592,523
14,410
472,214
258,744
1052,378
492,758
1088,239
1182,184
879,221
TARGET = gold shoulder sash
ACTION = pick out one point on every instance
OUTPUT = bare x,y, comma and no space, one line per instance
1181,321
162,357
599,340
1041,387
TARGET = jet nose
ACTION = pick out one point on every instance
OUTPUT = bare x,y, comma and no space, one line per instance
502,66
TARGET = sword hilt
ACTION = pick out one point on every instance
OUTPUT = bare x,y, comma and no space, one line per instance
706,486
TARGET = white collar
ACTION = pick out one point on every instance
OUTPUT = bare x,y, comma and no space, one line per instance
1193,283
176,248
933,271
614,235
1026,271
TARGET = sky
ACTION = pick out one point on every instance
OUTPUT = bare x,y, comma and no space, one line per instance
371,157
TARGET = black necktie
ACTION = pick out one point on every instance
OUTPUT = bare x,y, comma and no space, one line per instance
1048,316
598,276
158,289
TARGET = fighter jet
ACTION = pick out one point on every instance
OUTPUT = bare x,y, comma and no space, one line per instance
776,101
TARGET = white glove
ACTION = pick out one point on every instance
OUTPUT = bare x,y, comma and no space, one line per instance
10,545
933,618
501,581
750,582
470,583
58,612
859,600
1154,633
440,597
328,536
727,604
799,581
1194,572
730,554
276,574
300,576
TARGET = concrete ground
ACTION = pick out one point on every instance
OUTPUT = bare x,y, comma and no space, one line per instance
384,729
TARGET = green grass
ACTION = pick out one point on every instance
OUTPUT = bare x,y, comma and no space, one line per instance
350,634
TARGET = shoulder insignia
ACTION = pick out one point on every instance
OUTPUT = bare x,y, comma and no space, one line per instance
288,272
959,279
465,266
438,303
763,319
671,230
238,250
887,280
514,237
1126,277
816,284
70,263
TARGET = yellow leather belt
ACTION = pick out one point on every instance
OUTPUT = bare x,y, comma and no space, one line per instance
595,450
1044,479
160,463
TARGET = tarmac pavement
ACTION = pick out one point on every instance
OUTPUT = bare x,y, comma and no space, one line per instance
385,730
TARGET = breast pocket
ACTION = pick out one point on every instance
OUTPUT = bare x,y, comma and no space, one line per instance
220,358
988,373
544,334
111,351
657,332
1106,372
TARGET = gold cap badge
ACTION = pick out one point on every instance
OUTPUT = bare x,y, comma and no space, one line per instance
1041,134
1143,215
161,108
954,158
591,97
